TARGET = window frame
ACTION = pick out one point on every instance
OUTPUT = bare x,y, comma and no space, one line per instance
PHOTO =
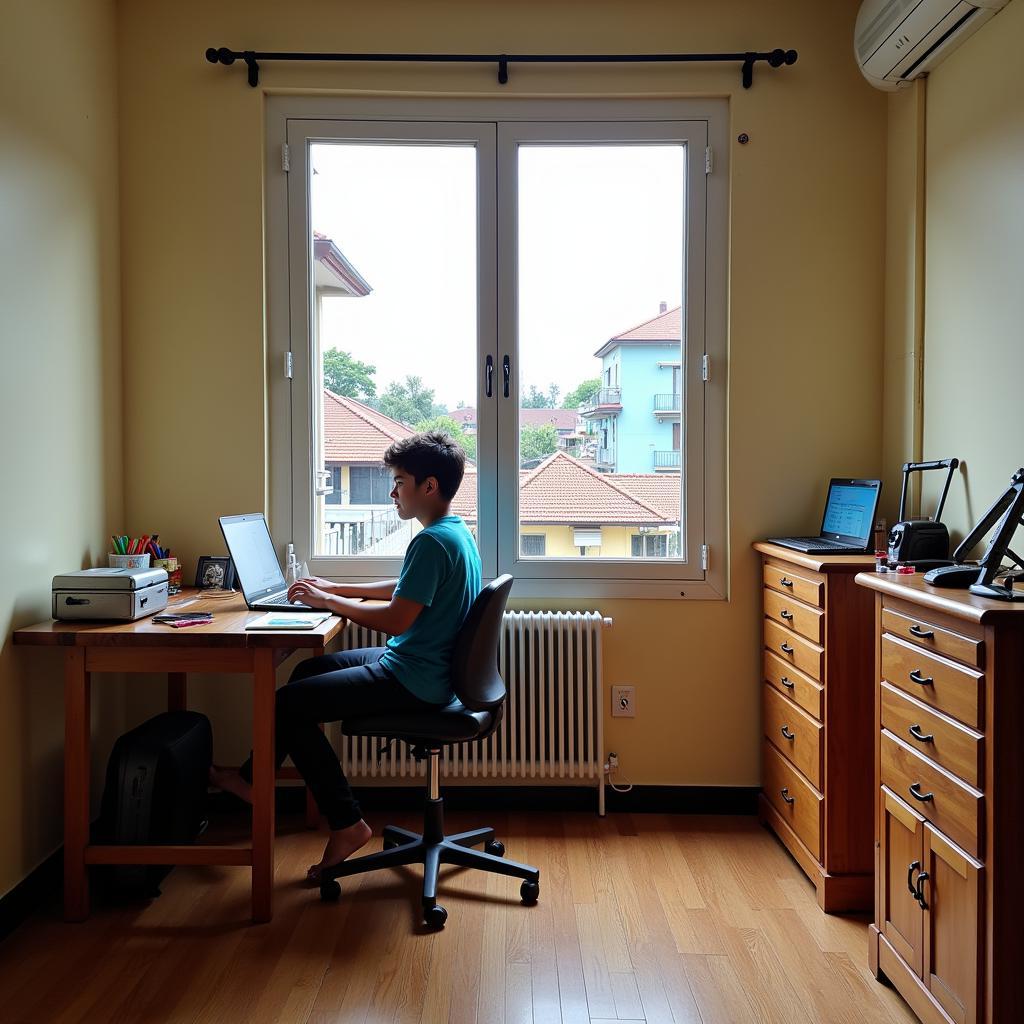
291,118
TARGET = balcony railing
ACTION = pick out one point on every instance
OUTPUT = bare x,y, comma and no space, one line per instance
606,397
354,531
668,403
605,457
667,460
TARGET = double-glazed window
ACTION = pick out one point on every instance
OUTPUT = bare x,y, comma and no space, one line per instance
542,281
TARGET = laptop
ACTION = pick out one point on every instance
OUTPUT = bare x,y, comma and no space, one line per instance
256,565
847,523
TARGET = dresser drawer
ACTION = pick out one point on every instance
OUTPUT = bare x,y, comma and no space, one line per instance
803,584
794,649
944,741
930,637
794,614
791,681
795,734
951,688
948,804
796,801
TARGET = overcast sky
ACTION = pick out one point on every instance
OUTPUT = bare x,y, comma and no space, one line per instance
600,247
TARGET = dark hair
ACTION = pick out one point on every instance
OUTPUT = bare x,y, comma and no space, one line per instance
435,454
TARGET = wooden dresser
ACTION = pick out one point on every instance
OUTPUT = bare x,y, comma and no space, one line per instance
817,700
949,786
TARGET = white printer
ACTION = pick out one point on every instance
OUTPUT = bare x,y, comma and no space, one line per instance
112,594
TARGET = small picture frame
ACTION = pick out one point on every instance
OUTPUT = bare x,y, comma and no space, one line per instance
215,572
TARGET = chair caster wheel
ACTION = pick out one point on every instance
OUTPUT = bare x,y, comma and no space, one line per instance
495,848
434,917
529,892
330,891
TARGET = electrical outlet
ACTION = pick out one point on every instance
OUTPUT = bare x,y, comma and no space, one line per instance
623,702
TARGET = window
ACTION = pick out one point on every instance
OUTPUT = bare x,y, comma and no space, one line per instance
369,485
532,545
649,545
482,217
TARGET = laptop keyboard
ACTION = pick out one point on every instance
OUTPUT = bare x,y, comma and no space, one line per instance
284,602
813,541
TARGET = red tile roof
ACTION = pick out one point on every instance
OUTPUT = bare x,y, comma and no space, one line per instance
662,490
353,432
467,414
664,328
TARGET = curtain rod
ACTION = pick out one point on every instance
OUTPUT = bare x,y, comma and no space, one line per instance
774,58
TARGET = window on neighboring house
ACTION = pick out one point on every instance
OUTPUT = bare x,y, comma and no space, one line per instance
483,224
532,545
369,485
649,545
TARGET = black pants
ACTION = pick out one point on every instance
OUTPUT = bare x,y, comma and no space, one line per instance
329,688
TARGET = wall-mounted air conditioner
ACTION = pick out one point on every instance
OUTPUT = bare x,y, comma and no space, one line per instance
896,41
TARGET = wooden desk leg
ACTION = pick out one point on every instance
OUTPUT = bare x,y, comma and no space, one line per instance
312,811
263,786
76,784
177,691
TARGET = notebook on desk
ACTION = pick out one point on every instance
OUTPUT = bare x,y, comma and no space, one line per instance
847,522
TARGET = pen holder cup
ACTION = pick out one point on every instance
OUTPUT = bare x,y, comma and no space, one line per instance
173,569
128,561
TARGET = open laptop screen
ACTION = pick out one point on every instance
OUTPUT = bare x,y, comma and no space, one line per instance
252,550
850,511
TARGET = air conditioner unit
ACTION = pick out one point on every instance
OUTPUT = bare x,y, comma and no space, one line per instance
896,41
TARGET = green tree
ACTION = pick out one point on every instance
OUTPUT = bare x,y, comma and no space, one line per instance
583,393
349,377
537,442
409,402
446,425
534,399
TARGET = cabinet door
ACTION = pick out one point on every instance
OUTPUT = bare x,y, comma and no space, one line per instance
901,833
952,927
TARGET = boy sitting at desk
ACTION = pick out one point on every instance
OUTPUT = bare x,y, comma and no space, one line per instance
427,605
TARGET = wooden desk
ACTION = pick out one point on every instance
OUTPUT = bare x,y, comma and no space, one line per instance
144,646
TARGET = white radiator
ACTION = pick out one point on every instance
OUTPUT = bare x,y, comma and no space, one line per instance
552,730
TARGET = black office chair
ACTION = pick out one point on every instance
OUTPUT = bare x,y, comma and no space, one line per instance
480,693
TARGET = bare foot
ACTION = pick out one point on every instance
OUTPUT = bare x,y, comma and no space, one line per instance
341,844
230,781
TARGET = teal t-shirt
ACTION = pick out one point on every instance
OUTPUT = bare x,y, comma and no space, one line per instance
442,572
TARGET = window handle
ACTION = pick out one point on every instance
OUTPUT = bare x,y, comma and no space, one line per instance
506,373
489,377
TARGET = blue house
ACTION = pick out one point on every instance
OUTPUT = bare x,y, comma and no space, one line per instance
636,414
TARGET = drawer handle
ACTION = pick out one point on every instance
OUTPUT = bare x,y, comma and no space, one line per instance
785,614
916,677
785,583
785,648
789,735
914,865
915,792
915,731
785,680
924,634
919,892
785,795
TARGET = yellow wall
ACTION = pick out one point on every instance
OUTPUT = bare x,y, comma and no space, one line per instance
806,278
60,388
974,278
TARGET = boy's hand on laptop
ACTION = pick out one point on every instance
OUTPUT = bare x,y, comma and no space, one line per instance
307,593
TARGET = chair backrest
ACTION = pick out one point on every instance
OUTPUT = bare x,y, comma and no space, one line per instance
475,676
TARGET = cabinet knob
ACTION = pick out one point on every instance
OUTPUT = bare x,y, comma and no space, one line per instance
916,677
785,648
923,634
785,795
919,891
789,735
785,680
785,614
785,583
915,731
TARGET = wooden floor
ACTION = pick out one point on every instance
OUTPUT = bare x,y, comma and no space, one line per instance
641,918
